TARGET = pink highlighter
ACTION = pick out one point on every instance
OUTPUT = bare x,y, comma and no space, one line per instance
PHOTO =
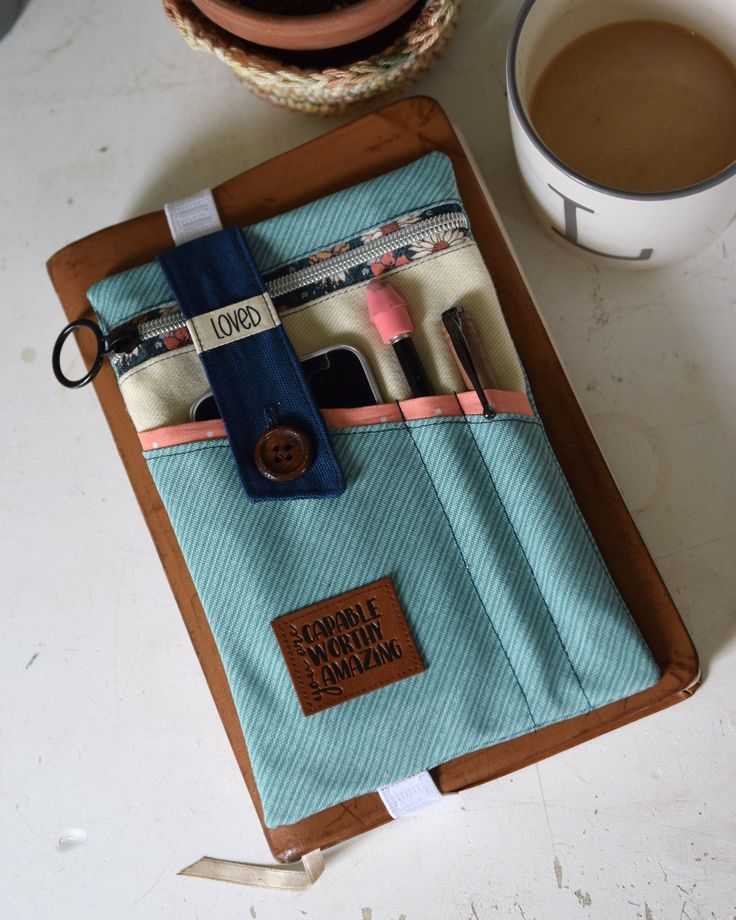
389,314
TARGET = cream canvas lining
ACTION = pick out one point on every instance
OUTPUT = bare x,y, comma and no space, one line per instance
160,391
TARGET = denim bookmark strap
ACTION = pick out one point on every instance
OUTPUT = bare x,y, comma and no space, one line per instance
254,374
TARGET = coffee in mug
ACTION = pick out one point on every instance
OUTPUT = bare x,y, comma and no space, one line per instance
639,105
623,120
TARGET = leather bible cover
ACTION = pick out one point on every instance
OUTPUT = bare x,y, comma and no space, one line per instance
377,143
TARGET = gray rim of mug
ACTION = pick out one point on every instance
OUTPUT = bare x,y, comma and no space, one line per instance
518,108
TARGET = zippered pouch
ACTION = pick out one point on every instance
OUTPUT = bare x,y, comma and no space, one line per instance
434,590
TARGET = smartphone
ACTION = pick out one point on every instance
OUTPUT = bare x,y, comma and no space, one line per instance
339,377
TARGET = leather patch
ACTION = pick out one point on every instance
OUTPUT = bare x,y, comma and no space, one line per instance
349,645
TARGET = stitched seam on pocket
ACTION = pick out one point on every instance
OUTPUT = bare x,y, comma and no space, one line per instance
161,453
471,579
591,538
531,570
387,427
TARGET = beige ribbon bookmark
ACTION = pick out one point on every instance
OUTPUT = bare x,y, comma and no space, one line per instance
296,877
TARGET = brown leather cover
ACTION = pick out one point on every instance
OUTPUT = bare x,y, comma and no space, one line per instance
374,144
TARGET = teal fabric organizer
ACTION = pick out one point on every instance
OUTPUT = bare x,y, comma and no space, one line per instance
516,617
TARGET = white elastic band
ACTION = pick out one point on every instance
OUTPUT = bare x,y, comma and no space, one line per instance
296,877
409,795
192,217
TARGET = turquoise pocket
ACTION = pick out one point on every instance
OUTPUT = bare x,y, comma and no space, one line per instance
507,598
601,641
495,556
253,563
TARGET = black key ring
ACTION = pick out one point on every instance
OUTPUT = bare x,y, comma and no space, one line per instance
59,344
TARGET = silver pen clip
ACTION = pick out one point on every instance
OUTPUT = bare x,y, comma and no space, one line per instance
454,322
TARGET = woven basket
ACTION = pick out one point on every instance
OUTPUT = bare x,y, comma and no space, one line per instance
332,90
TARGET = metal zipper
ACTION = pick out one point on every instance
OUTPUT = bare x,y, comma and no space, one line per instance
292,281
124,339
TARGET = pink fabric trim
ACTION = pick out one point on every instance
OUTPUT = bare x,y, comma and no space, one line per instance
430,407
364,415
187,433
504,402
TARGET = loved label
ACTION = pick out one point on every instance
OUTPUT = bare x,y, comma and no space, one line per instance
347,646
231,323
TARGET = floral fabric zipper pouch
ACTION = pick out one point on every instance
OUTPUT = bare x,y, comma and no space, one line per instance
389,586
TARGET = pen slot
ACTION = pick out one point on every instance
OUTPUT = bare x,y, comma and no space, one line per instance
496,562
590,634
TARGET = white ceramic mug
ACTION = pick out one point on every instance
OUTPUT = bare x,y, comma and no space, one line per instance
627,229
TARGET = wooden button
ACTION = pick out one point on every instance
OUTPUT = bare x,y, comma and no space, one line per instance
283,453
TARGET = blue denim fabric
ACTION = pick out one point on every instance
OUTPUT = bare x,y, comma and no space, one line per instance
257,381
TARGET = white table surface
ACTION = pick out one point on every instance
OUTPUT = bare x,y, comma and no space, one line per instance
107,724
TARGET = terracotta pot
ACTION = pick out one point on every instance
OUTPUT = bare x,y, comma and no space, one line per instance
304,33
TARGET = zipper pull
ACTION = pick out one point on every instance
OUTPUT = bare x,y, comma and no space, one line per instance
121,340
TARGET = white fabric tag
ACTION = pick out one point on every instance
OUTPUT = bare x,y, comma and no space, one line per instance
192,217
410,794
